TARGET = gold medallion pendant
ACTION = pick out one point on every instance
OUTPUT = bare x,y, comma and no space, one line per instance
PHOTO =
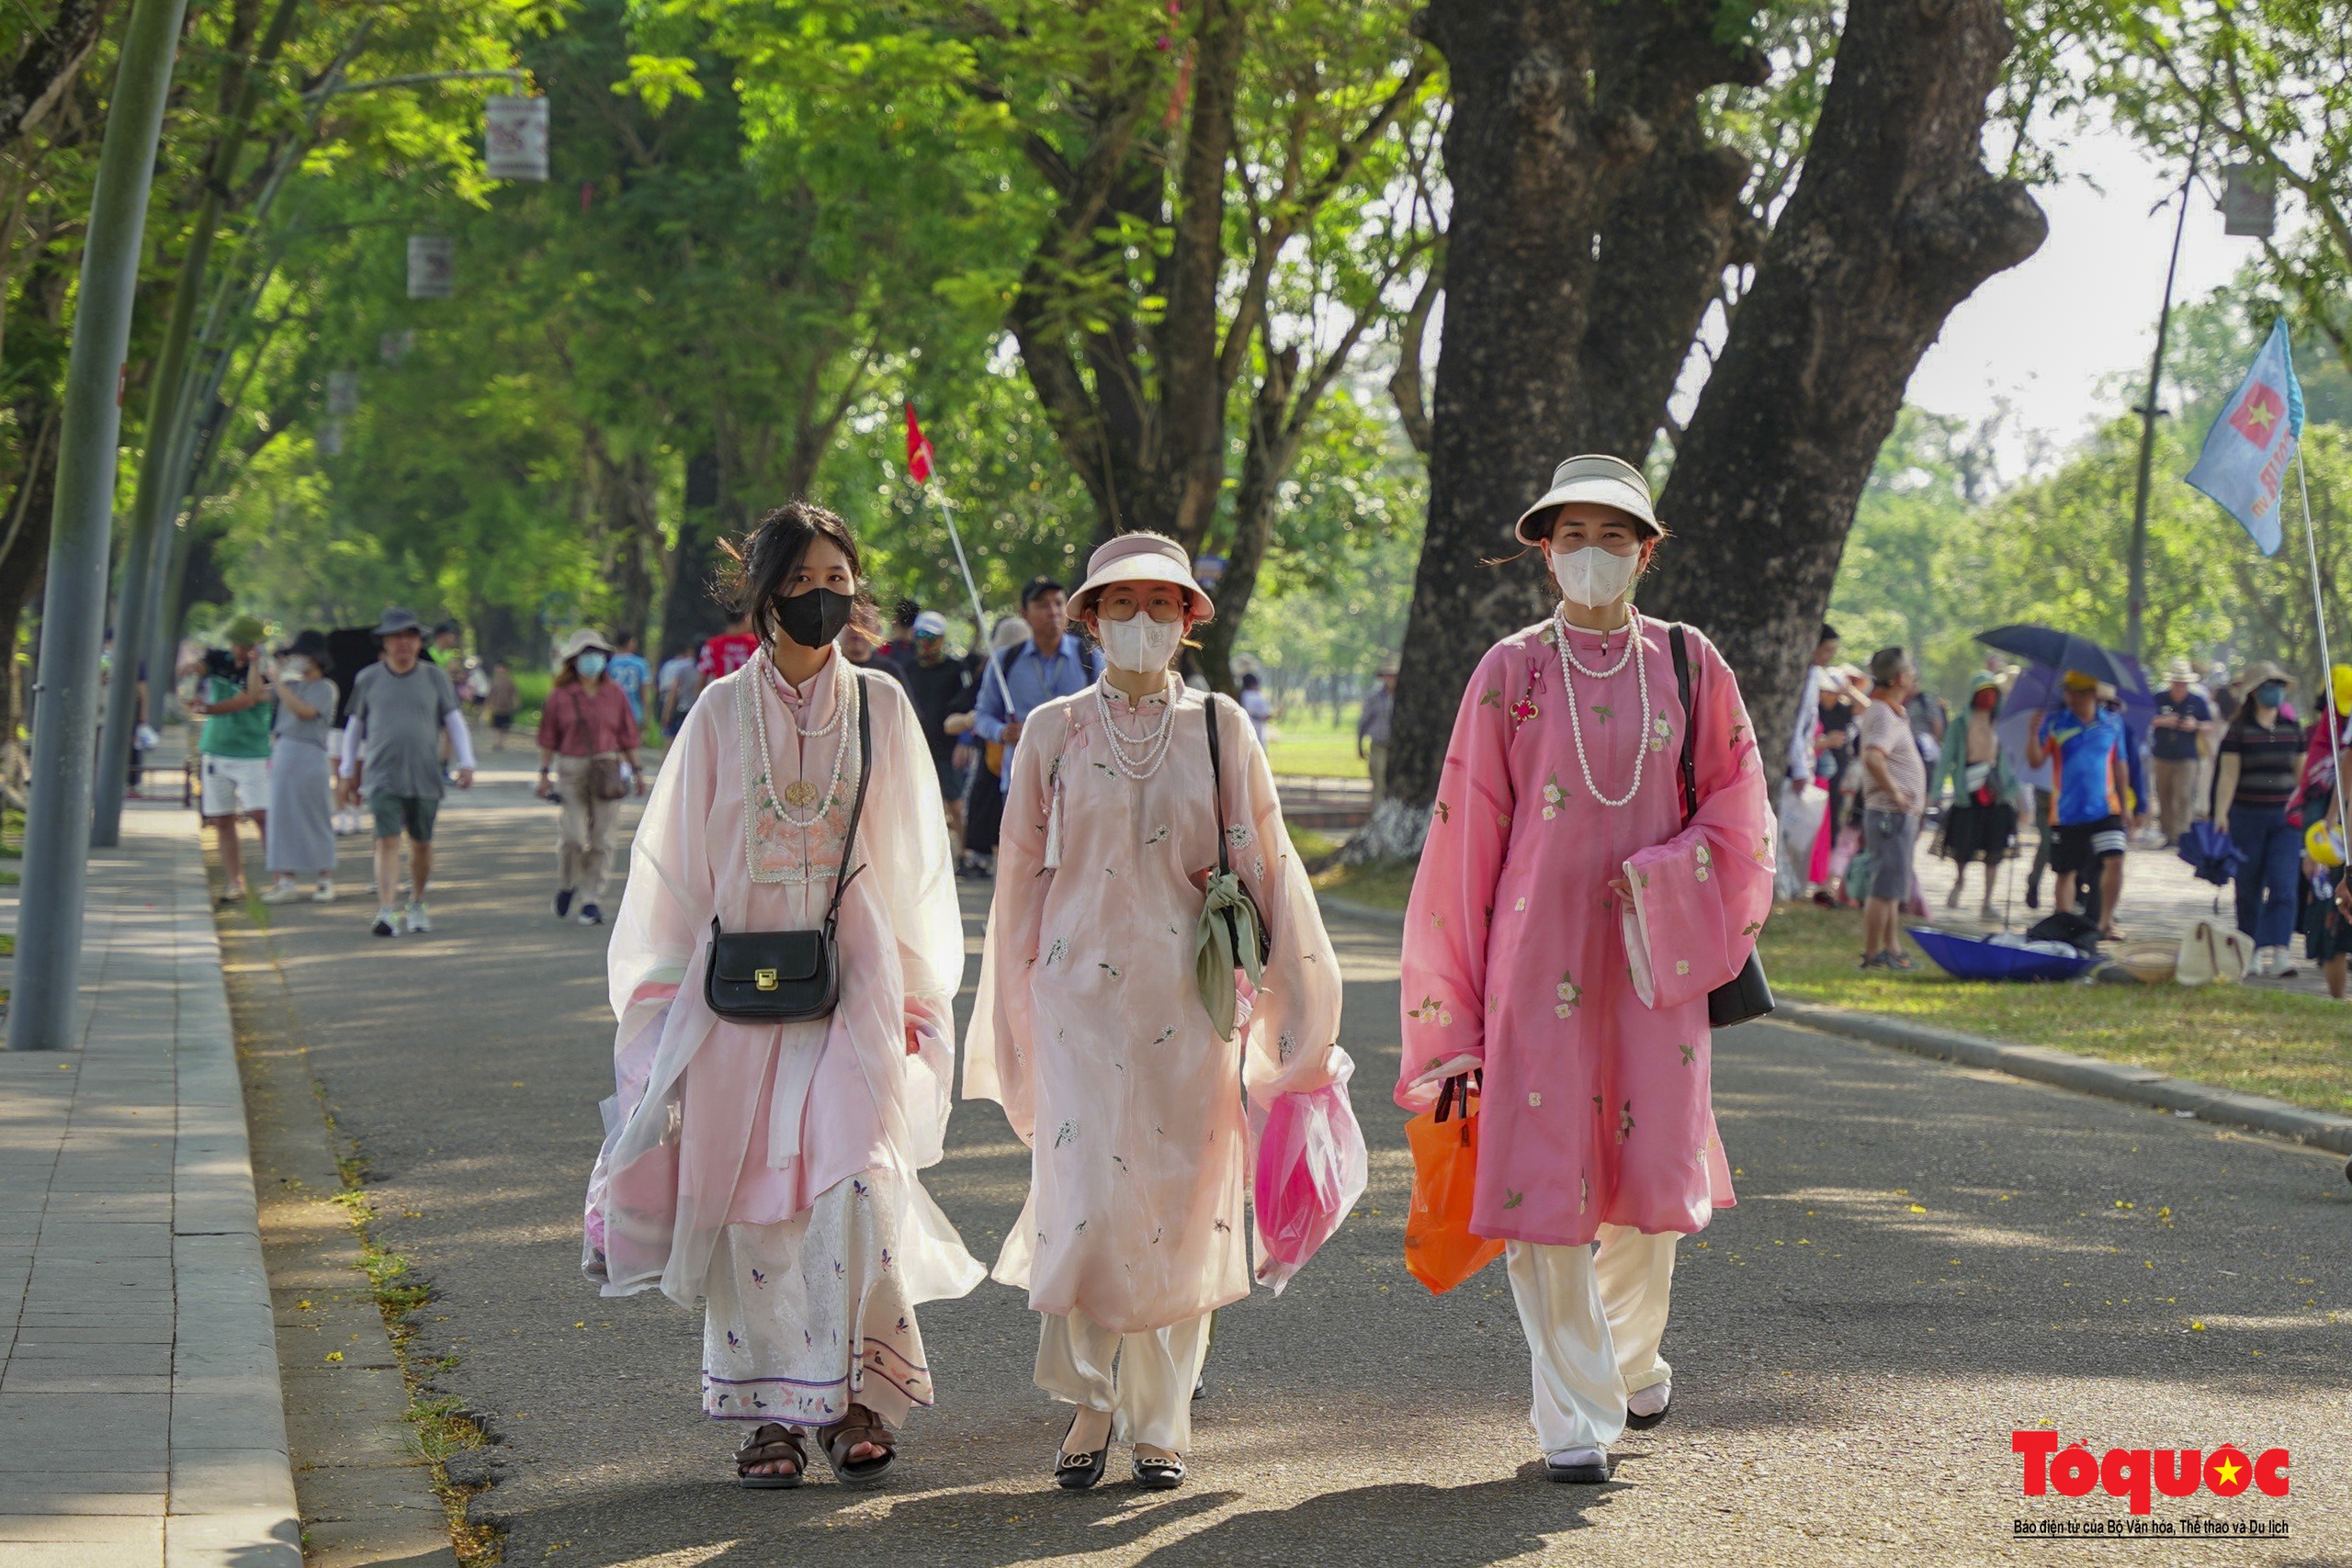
800,794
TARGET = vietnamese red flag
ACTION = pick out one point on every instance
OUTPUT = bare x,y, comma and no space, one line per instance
918,449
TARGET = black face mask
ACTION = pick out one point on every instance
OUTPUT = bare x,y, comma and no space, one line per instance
814,618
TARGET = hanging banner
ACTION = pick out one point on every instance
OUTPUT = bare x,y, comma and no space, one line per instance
2249,201
343,392
515,138
432,267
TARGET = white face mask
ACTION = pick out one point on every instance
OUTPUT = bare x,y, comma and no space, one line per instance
1141,645
1593,577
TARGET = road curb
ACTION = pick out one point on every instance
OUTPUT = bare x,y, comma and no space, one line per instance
2086,1074
2040,1064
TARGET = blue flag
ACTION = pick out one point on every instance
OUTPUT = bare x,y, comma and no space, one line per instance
2244,465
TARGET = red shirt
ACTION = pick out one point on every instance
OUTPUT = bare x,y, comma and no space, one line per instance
575,724
726,653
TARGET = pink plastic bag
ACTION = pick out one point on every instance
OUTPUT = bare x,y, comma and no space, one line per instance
1311,1170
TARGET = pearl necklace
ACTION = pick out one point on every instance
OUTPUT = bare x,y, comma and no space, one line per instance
1576,724
840,707
1155,745
845,699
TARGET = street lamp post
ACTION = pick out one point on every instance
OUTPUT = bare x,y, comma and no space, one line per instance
2135,607
44,997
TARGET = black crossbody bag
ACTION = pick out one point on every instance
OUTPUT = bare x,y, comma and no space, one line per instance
1747,994
789,977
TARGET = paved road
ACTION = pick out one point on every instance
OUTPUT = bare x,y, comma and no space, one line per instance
1923,1259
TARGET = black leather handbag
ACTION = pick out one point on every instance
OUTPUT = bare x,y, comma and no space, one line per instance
789,977
1747,994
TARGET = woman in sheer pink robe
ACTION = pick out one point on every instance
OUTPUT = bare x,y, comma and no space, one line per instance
1566,926
770,1171
1090,1027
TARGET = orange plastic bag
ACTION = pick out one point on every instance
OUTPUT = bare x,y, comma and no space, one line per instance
1439,1247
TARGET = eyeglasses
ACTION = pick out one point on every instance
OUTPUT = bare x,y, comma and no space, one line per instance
1123,608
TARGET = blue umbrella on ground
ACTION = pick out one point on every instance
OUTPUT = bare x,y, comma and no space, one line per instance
2063,651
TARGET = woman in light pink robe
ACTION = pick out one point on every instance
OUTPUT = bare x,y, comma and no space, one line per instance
1564,947
771,1170
1090,1027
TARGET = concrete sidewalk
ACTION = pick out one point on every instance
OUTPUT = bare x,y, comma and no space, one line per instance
140,1420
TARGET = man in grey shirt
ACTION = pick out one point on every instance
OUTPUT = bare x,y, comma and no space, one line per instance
401,706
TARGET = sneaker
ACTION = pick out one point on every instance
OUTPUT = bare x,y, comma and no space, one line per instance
2261,962
563,902
387,921
323,893
590,916
2282,964
418,920
284,893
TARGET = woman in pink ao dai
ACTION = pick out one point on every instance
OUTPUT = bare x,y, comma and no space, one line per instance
1564,929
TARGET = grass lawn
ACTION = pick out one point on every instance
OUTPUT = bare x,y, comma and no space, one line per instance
2291,1046
1307,741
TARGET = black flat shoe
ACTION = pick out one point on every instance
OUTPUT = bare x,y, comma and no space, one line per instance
1159,1475
1643,1423
1077,1471
1581,1475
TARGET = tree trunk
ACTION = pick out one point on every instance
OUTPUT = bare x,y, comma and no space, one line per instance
691,610
1893,223
1265,462
1554,151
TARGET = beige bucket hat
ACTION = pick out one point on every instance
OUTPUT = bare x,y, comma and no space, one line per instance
2180,670
580,642
1138,557
2261,669
1597,478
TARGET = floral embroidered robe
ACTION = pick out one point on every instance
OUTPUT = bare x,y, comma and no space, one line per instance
715,1122
1089,1028
1588,1010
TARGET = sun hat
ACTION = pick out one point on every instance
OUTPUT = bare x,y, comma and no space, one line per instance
2076,680
2182,670
1138,557
1985,681
580,642
931,623
244,631
1597,478
311,644
1389,666
2339,687
2261,669
397,618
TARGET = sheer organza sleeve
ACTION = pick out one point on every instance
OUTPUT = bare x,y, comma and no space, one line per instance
1447,918
904,837
997,1058
1293,1039
1701,897
666,908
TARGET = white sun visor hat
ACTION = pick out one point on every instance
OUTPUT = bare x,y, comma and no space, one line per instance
1140,557
1599,479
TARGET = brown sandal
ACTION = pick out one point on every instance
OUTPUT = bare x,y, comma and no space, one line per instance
771,1444
842,1438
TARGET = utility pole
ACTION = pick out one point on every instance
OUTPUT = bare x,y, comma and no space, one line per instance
45,998
166,411
2136,607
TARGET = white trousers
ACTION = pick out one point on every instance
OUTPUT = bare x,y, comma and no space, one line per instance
1145,1379
1593,1319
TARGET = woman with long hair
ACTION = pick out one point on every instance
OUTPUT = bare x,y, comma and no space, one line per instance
1579,895
1139,821
770,1169
587,734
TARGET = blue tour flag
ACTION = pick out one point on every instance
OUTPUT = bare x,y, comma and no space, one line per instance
2244,465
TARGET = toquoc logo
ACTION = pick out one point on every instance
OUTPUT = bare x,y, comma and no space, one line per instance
2137,1474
